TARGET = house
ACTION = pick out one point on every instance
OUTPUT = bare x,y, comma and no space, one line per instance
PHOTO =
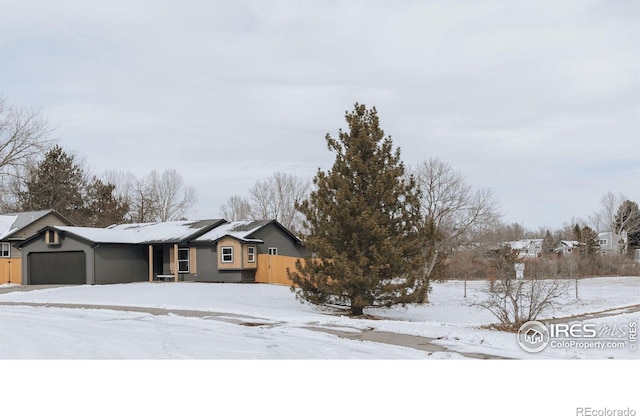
531,248
16,228
611,242
566,247
213,250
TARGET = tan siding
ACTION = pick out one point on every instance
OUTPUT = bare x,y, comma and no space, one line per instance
31,229
237,254
247,264
10,271
192,260
56,236
273,269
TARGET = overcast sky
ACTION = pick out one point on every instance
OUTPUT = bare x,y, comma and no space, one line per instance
537,100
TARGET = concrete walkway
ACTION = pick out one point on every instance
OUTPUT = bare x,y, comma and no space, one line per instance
594,315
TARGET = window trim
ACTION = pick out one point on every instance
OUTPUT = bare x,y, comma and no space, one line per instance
230,254
2,250
251,254
52,237
273,251
182,261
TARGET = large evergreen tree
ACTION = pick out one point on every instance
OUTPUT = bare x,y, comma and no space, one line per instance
362,224
628,220
102,207
57,183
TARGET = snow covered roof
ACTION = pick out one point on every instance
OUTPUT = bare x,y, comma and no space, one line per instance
144,233
570,244
524,244
240,230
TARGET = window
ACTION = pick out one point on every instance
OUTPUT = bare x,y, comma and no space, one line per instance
273,251
603,242
52,237
227,254
183,260
5,250
251,254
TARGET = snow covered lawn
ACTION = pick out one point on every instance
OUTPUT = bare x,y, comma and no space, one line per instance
266,322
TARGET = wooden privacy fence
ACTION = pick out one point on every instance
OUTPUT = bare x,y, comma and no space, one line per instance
273,269
10,271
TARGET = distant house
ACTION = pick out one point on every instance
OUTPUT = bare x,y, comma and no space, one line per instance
528,248
207,250
611,242
16,228
566,247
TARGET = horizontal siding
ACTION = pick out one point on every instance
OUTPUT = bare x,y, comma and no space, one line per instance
32,229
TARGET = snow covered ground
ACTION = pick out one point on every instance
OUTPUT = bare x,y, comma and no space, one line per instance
203,349
266,322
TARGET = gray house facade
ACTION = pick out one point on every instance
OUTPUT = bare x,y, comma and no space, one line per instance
203,251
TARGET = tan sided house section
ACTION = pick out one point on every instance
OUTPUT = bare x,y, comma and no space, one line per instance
16,228
203,251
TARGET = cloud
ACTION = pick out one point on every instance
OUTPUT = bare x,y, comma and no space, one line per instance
536,100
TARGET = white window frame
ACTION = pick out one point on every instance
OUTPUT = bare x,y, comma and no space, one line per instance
273,251
230,254
183,261
251,254
7,250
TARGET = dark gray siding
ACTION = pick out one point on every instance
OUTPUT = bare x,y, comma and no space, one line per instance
274,236
121,264
66,244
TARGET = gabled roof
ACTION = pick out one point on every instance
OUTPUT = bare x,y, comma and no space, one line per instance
240,230
14,222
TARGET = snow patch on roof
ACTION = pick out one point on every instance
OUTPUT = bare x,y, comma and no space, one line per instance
156,232
6,224
237,229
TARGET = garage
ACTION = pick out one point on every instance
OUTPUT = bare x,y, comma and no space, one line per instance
57,268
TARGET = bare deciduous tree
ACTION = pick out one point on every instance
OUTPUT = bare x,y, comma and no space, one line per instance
24,135
272,198
172,199
237,208
604,219
516,301
452,211
276,198
155,197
